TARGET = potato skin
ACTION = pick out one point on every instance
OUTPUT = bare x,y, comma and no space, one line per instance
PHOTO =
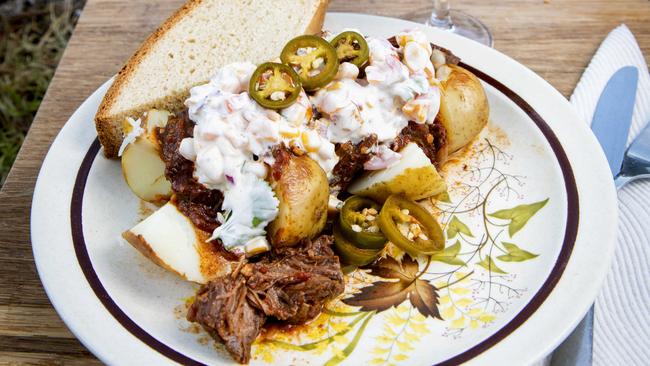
464,108
142,166
144,171
303,192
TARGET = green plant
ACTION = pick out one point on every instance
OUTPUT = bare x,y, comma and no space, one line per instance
32,38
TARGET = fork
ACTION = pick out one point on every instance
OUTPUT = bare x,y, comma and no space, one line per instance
636,163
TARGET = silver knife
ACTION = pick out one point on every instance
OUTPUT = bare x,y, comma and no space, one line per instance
611,125
613,115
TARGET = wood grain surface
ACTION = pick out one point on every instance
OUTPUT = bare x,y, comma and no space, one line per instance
555,38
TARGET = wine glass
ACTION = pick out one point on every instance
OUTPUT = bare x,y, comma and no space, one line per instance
455,21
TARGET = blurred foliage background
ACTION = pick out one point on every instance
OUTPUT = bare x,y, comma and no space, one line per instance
33,35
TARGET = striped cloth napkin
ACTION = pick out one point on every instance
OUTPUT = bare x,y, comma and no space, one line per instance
622,311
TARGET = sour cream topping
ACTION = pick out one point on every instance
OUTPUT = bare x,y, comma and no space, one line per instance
234,136
400,85
250,205
233,139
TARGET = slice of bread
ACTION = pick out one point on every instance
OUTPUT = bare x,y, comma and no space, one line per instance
191,45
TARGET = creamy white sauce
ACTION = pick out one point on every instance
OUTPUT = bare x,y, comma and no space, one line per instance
250,205
234,135
354,111
233,139
400,85
133,131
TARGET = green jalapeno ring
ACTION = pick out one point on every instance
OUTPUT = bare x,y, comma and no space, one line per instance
392,210
283,79
305,63
349,254
351,215
347,269
351,47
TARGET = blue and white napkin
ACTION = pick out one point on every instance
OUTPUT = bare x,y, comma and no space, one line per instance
622,311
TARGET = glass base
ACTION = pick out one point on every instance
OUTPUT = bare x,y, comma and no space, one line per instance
464,25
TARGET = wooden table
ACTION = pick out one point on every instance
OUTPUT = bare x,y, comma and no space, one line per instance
555,38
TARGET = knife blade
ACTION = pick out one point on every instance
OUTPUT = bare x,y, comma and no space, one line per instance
613,115
611,125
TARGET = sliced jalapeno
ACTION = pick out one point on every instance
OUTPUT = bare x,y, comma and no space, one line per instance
351,47
397,217
348,269
313,58
358,223
349,254
274,85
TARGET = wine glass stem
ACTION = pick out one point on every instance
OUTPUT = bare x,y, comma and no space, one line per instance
440,16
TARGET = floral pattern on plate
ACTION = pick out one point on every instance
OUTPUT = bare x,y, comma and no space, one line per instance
464,287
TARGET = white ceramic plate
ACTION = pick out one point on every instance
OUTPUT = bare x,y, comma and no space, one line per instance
534,193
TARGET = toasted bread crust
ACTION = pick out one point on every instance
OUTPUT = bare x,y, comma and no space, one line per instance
109,132
109,127
316,24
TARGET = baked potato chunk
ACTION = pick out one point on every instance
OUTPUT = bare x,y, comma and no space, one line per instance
413,177
142,167
170,240
464,109
303,192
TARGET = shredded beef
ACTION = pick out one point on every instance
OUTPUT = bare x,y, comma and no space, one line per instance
198,203
178,170
290,284
223,311
351,160
430,138
294,282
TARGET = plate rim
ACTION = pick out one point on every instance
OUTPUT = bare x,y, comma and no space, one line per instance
70,320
